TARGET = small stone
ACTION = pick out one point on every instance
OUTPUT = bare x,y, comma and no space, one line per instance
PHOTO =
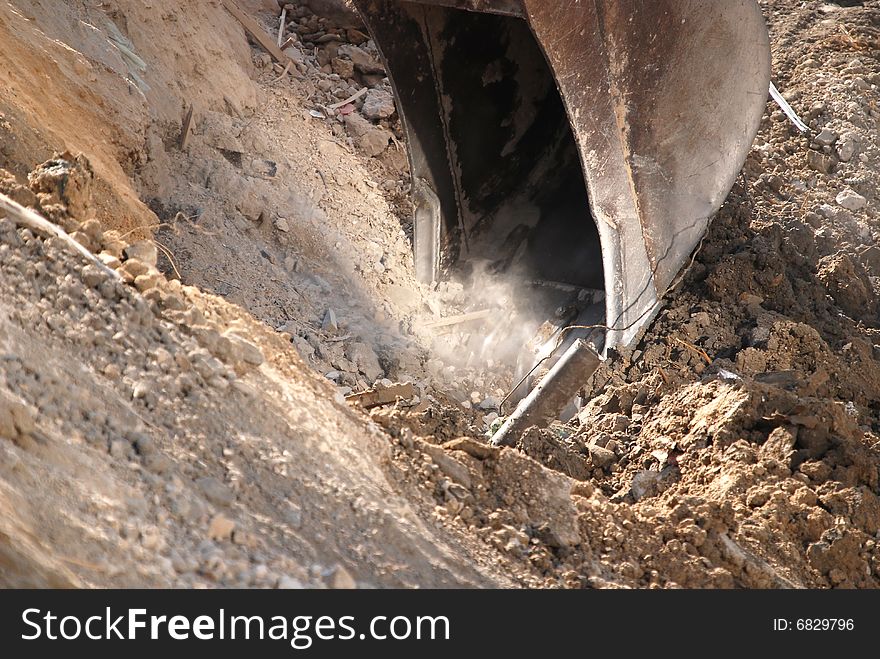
134,268
344,68
373,140
489,403
365,359
92,276
147,281
362,61
821,162
93,229
282,224
142,389
215,491
143,250
643,483
378,104
329,324
243,350
601,457
851,200
158,463
847,147
826,138
221,528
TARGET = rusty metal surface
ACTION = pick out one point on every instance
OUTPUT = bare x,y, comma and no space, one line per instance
548,398
663,99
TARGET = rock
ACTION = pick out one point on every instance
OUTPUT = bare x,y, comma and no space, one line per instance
221,528
282,224
147,281
93,229
215,491
134,268
144,251
295,54
251,207
375,141
342,579
643,484
158,463
92,276
378,104
342,67
848,283
372,140
851,200
601,457
826,138
119,448
366,361
65,180
821,162
847,147
83,240
243,350
448,465
329,324
362,60
489,403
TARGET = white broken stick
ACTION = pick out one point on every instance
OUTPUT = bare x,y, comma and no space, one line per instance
27,218
456,320
281,27
788,110
350,99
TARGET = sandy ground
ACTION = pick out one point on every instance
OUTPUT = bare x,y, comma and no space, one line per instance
182,422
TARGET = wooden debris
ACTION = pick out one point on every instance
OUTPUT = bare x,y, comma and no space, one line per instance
282,26
386,396
284,72
253,28
187,125
457,320
350,99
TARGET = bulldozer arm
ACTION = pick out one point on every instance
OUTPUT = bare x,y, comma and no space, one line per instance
592,139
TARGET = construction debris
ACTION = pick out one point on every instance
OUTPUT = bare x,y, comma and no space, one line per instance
382,395
253,28
550,396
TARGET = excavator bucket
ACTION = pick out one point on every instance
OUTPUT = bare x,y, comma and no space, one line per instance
586,141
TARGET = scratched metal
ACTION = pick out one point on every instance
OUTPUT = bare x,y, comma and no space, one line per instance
664,99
